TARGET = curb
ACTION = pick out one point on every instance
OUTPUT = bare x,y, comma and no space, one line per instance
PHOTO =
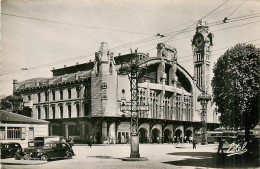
21,162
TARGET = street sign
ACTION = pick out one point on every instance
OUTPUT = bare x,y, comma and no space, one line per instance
138,108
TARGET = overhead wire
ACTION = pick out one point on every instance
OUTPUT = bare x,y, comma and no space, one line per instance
72,24
91,54
193,23
82,56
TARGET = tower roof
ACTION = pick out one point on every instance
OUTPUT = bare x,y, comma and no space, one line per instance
201,23
103,47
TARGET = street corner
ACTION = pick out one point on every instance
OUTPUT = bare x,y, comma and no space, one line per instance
21,162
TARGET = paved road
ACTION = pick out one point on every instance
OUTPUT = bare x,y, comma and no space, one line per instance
161,156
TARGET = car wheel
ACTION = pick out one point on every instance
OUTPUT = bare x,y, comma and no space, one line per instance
69,155
27,157
44,158
17,157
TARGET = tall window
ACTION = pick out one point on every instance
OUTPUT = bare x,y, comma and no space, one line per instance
85,91
61,95
86,112
46,96
39,112
53,112
61,111
69,111
69,93
29,98
31,133
77,107
53,95
78,92
46,112
2,133
39,97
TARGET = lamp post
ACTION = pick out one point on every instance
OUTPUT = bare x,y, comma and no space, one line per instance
204,98
133,71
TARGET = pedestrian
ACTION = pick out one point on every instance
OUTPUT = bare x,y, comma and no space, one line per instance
71,142
194,142
220,145
90,141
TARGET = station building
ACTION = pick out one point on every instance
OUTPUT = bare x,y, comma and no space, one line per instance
85,99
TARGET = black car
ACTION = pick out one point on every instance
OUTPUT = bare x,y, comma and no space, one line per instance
9,149
52,150
25,152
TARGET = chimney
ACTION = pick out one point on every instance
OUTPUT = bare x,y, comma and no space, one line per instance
15,85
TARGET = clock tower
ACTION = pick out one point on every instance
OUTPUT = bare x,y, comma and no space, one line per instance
201,44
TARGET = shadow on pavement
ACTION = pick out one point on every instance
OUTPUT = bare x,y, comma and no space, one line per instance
214,160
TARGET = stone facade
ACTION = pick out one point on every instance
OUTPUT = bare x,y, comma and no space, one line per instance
84,101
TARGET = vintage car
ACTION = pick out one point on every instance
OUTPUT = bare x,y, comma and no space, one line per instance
51,150
9,149
38,142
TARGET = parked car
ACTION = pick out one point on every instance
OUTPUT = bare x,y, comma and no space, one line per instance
38,142
9,149
52,150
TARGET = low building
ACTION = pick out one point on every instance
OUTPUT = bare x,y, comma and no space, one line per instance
20,129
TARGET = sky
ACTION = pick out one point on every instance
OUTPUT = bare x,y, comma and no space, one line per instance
41,35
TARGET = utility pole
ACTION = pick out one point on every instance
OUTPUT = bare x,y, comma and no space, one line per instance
135,109
204,98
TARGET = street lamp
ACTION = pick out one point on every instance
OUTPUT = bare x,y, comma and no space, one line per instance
204,98
133,71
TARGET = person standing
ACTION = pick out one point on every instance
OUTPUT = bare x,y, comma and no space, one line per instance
194,142
220,145
90,141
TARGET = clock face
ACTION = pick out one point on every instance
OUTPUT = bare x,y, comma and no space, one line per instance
199,41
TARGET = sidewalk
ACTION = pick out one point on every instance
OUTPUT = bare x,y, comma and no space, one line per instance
12,161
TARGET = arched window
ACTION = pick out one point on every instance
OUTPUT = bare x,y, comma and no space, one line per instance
78,109
39,97
61,95
53,95
86,109
69,93
53,112
39,112
69,111
61,112
46,112
46,96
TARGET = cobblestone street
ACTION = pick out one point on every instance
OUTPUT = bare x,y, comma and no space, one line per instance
161,156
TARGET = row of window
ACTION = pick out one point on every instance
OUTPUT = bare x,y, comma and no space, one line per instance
16,133
53,93
61,111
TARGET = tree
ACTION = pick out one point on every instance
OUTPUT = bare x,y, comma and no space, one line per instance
236,87
12,103
6,103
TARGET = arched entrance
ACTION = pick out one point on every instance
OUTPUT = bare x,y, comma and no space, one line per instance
142,135
167,135
178,134
155,135
188,134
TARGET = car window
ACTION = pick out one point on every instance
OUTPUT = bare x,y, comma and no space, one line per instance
64,146
31,144
16,145
47,145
